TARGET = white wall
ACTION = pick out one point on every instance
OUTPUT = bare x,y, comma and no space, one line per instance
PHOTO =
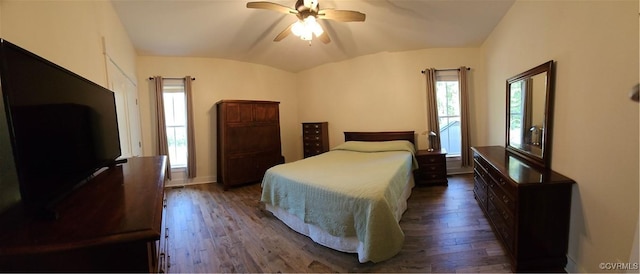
378,92
595,129
70,34
218,79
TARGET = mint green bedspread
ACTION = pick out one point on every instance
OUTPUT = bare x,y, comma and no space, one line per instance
349,191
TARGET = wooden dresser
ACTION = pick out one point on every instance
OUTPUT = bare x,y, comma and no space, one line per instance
528,208
113,223
315,138
432,167
248,140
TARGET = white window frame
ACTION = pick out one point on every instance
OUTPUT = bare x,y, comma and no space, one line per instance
175,86
449,76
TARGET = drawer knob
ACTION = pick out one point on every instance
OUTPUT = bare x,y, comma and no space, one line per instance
505,215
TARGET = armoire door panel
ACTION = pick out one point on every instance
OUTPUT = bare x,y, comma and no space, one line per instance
265,113
241,169
252,139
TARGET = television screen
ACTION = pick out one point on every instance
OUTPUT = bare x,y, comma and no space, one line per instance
63,127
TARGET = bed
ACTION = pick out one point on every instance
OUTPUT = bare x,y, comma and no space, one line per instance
351,198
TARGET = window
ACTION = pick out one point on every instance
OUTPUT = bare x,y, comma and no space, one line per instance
448,97
176,121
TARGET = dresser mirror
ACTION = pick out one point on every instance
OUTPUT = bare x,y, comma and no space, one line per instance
529,114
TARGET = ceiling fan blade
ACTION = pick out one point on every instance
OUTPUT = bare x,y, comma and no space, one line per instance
283,34
271,6
342,15
324,37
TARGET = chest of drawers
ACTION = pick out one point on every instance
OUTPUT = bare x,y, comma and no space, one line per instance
432,167
528,208
315,138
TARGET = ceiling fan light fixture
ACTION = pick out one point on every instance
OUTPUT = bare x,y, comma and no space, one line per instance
313,25
305,29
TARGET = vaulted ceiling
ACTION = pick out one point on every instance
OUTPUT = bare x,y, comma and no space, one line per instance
227,29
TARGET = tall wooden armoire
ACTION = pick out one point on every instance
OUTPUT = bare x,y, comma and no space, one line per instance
248,140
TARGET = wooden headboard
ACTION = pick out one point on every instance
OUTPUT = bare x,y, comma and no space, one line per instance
380,136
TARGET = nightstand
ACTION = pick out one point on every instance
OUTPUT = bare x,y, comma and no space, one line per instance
432,167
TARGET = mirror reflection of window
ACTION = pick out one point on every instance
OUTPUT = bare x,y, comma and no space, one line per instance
516,113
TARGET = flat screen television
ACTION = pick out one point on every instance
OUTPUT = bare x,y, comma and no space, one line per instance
63,128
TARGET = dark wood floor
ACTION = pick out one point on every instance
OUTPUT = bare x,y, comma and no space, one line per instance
212,230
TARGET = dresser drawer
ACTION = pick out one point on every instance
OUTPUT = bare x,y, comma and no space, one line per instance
505,214
505,231
492,174
312,148
509,201
481,162
311,138
312,131
504,183
482,172
312,144
306,126
480,190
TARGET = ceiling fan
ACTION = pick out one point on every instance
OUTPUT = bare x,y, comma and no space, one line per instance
308,12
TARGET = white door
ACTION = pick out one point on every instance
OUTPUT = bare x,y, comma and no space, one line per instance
126,95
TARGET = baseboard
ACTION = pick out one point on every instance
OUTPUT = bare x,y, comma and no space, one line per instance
193,181
459,171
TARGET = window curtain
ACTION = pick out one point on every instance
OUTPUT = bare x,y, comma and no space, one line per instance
528,111
161,125
191,139
432,108
464,117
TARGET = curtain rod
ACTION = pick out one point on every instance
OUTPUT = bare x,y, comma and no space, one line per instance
445,69
174,78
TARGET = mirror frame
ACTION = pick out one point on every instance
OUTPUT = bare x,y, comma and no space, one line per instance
544,160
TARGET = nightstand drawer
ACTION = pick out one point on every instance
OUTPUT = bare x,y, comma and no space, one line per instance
432,159
431,175
437,168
